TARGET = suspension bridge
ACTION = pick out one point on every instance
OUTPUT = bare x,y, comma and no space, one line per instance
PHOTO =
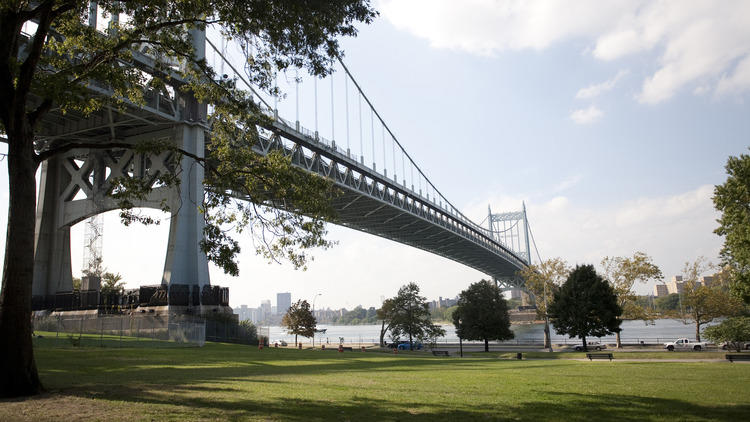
385,193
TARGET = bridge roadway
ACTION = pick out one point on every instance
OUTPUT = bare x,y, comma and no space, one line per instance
371,202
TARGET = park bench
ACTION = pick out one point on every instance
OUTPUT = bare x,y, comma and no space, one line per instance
735,356
347,348
592,356
440,353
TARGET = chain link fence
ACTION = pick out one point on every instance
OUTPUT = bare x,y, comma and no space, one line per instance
120,331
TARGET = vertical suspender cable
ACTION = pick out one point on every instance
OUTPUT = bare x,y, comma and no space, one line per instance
403,166
296,97
372,135
346,104
333,126
315,91
393,144
361,141
385,161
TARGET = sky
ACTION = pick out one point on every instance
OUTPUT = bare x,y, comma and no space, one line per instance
612,121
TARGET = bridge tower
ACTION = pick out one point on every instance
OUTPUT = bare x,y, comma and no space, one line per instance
511,229
76,185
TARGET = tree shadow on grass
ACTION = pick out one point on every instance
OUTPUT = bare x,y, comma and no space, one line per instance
557,406
207,368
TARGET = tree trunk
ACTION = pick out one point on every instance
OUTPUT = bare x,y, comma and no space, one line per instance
411,345
486,345
547,339
617,340
585,348
382,334
295,340
697,330
18,376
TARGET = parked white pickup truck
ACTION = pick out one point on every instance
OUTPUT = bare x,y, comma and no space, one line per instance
685,344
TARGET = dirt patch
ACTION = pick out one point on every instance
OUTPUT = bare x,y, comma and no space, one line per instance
61,407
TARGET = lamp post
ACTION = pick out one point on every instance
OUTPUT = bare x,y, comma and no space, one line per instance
460,341
313,312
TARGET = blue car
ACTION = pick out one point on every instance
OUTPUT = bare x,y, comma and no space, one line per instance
405,346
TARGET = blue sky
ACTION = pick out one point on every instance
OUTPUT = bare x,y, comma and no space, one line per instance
612,120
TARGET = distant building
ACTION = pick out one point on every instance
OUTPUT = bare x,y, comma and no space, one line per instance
243,313
675,285
265,310
283,302
660,290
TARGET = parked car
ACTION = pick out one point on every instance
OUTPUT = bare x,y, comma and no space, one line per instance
278,343
685,344
727,345
405,346
594,345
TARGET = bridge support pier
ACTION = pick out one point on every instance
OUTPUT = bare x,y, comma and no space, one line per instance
185,261
52,268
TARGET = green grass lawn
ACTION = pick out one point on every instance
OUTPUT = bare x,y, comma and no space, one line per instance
234,382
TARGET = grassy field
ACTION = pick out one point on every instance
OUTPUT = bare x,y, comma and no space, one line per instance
234,382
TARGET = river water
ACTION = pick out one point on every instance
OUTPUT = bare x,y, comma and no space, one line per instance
661,331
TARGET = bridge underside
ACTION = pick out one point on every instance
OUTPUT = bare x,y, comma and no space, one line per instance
379,218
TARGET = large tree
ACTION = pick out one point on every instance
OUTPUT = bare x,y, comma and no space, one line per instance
482,314
542,281
585,305
732,199
701,303
623,273
52,68
410,316
299,320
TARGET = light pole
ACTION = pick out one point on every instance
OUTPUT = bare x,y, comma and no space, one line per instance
460,341
313,312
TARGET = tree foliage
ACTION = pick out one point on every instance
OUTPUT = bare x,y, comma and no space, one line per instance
734,331
112,283
703,303
299,320
53,68
444,314
542,281
482,314
357,316
667,304
409,314
622,273
732,199
585,305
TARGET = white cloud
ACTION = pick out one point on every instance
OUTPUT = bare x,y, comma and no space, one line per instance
672,229
595,90
699,42
568,183
586,115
